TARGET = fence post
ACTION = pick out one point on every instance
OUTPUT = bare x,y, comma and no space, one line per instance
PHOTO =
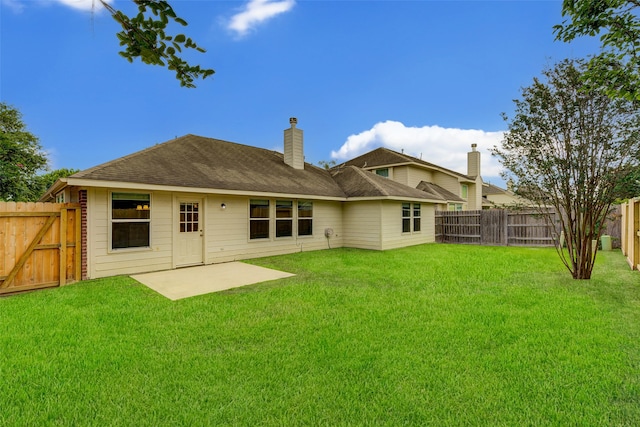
505,227
623,227
635,234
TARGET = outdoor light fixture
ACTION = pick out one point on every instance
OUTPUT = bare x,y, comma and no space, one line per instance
223,206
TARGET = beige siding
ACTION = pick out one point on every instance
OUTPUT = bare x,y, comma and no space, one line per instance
362,225
392,235
416,175
447,182
507,200
358,224
401,174
227,231
103,262
411,175
226,234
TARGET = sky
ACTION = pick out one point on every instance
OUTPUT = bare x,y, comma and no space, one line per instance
428,78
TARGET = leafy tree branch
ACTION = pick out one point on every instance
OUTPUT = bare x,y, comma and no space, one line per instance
617,23
145,36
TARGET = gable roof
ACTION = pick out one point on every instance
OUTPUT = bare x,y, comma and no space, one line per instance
356,182
488,189
435,189
200,162
385,157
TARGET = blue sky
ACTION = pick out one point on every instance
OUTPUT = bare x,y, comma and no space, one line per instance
426,77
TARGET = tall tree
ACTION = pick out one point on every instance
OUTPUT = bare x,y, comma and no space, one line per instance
21,157
569,146
617,22
145,36
42,182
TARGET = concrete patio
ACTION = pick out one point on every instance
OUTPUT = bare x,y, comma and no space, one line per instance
191,281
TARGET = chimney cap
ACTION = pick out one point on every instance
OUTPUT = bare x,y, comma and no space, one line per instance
293,121
473,146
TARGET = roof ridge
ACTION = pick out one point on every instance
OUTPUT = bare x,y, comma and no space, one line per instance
414,159
364,174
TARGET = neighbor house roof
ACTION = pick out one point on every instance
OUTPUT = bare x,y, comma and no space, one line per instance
356,182
488,189
438,191
200,162
385,157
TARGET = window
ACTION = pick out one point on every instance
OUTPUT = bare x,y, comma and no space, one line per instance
464,191
455,206
258,219
305,218
406,217
189,217
410,216
130,220
284,218
383,172
260,216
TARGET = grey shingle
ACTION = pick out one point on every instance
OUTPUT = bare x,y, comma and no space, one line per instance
196,161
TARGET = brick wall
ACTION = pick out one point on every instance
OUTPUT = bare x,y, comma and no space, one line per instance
82,196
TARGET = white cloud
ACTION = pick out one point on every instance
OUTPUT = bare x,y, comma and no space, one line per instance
257,11
15,5
88,5
445,147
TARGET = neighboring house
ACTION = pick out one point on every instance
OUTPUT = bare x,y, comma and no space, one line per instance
196,200
455,190
496,197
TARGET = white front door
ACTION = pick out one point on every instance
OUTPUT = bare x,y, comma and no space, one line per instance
190,233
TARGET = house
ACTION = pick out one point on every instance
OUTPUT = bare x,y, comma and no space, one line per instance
196,200
496,197
455,190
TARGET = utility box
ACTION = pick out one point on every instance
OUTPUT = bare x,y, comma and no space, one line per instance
606,242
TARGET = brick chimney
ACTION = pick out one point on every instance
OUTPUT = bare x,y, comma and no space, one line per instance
473,162
293,150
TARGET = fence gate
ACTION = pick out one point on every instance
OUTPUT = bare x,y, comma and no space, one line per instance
39,245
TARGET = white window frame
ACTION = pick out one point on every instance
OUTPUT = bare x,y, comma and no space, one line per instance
143,206
304,218
267,219
288,219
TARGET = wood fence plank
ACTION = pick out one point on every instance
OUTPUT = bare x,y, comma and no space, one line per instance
14,272
493,227
63,247
33,262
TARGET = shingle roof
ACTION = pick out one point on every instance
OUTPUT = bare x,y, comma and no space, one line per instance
196,161
384,157
492,189
440,192
356,182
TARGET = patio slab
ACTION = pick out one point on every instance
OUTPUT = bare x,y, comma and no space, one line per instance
191,281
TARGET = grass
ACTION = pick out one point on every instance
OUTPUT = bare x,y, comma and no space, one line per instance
428,335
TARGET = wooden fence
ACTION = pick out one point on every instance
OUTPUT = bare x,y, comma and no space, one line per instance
39,245
630,232
494,227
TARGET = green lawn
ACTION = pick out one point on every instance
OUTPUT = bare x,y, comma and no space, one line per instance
428,335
